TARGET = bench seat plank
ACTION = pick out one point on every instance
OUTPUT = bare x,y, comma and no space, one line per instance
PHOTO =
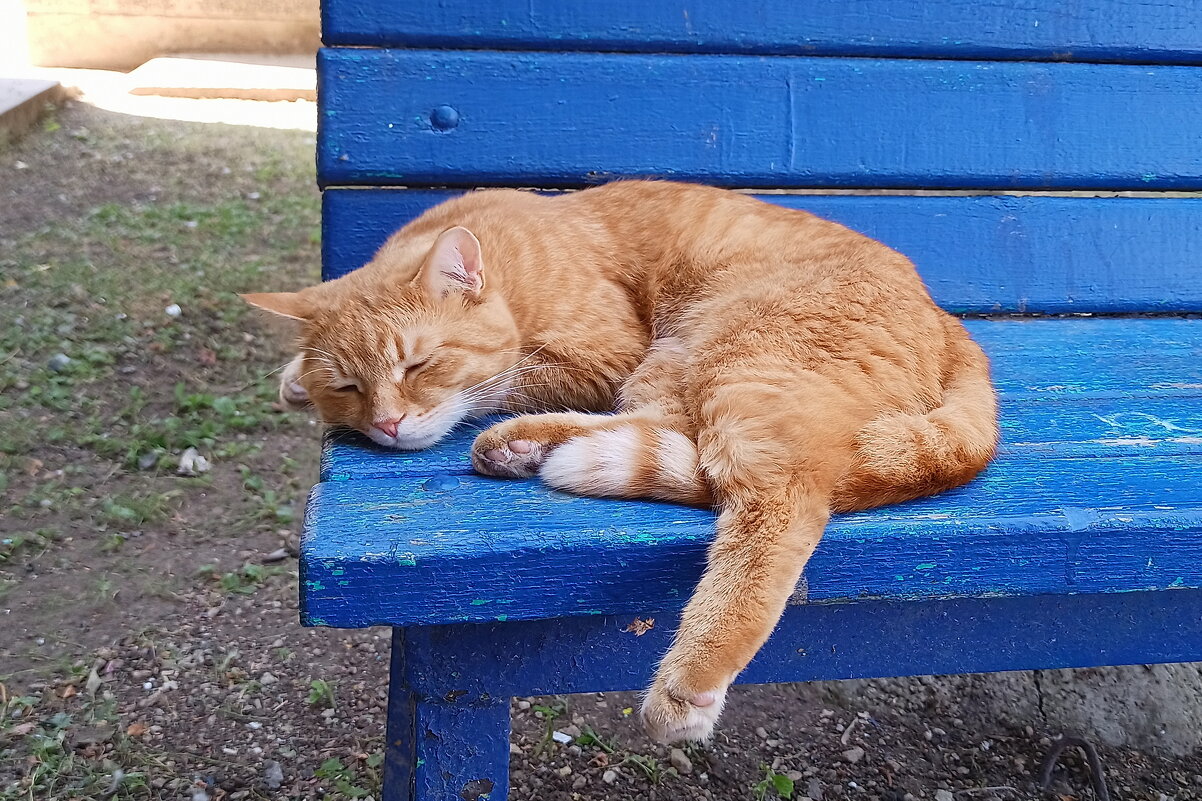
1070,387
566,119
977,254
1101,30
424,549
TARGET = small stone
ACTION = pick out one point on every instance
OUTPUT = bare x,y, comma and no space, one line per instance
814,789
58,362
173,310
561,737
944,795
278,555
572,731
566,770
854,755
191,463
515,749
683,765
267,679
610,776
254,724
148,460
579,783
761,732
523,705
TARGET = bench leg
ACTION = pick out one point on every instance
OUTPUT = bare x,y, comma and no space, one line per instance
444,749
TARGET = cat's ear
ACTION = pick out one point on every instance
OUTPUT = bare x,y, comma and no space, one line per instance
454,265
292,305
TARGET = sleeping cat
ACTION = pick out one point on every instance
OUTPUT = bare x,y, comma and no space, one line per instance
776,365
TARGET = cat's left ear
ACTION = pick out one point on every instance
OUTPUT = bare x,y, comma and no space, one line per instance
454,264
292,305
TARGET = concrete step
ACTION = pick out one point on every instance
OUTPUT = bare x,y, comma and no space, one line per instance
245,77
22,102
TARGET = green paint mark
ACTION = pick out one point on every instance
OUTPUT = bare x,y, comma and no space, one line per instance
480,602
343,583
318,621
315,586
420,762
337,571
1178,583
926,566
407,559
502,618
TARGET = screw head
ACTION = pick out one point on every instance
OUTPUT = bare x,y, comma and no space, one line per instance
444,118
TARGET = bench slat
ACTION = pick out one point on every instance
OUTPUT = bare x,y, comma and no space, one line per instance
1069,388
814,642
566,119
413,553
1099,30
980,255
421,551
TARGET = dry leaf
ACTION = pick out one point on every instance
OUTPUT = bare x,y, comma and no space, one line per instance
68,691
207,357
93,683
137,729
639,627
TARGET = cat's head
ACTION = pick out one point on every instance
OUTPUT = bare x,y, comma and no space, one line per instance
401,352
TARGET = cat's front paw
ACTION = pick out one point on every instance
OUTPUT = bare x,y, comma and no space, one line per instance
672,716
493,455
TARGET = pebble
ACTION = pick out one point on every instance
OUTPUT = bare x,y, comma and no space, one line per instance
58,362
148,460
561,737
944,795
681,762
191,463
761,732
523,705
814,789
267,679
278,555
579,783
854,755
566,770
173,310
609,776
572,731
515,749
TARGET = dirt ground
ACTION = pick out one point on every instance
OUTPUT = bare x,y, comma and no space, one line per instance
149,642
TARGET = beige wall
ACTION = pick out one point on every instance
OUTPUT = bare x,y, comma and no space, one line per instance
121,34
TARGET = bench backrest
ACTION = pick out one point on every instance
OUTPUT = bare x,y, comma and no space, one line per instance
995,128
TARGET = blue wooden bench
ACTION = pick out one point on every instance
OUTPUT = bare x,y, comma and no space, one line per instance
1081,545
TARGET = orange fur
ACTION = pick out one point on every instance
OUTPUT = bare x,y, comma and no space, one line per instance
764,360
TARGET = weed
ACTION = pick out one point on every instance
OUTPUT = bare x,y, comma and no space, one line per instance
243,581
780,784
648,765
590,737
321,693
347,780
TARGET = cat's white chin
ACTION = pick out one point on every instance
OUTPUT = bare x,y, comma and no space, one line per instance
405,441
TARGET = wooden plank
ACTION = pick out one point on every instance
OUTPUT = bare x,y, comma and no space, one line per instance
1100,30
436,551
813,642
979,255
446,118
1069,387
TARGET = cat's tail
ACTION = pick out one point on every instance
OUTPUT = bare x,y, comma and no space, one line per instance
904,456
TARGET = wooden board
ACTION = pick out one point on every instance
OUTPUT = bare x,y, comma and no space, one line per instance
1099,30
446,118
979,255
425,544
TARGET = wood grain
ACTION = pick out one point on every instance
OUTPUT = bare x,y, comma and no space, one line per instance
467,118
978,255
1100,30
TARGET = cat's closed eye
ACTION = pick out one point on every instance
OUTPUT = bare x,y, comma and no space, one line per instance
347,388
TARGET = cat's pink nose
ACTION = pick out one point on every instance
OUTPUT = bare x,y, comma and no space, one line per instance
388,426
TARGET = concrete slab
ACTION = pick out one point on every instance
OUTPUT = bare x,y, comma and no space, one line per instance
243,77
22,102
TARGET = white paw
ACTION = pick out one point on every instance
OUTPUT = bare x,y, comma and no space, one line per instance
668,718
517,459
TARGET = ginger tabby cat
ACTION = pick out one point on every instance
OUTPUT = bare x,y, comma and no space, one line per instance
776,365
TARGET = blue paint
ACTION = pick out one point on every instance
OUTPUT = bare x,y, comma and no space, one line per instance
887,123
1100,30
1027,254
1058,555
